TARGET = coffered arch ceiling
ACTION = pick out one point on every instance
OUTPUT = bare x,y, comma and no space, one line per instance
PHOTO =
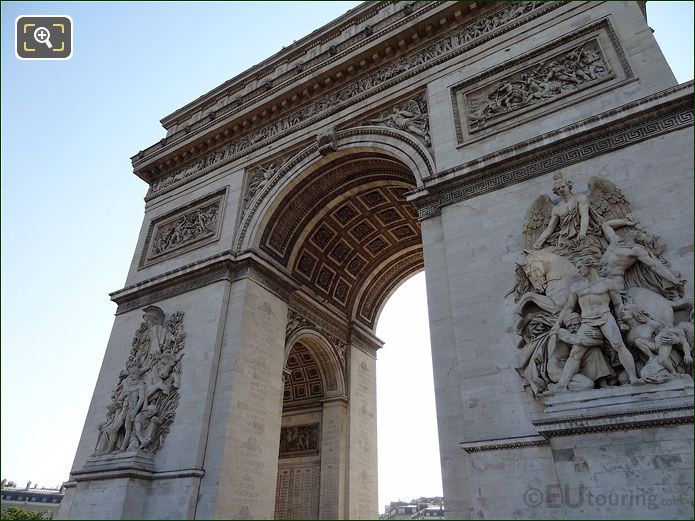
347,233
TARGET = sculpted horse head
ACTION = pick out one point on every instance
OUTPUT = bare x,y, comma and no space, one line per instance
550,274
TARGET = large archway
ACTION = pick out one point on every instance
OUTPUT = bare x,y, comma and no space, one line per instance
344,232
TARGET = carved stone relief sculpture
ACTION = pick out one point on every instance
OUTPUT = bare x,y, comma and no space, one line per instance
565,73
410,116
144,401
259,176
299,439
597,305
183,229
190,227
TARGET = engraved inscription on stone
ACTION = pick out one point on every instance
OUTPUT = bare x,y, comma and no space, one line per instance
183,230
297,492
563,74
299,439
251,462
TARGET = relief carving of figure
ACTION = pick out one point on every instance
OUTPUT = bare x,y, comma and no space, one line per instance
410,117
555,76
185,229
144,401
590,266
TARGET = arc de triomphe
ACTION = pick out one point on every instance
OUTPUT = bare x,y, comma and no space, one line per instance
534,158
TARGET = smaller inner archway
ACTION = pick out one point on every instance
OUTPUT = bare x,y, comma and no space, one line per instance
308,443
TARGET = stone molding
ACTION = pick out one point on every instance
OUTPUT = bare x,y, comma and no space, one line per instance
593,33
255,203
426,55
516,442
617,408
484,176
203,234
306,68
77,477
220,267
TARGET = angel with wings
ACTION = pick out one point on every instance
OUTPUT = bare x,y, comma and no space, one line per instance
572,227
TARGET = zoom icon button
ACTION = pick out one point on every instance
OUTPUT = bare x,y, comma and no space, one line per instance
40,37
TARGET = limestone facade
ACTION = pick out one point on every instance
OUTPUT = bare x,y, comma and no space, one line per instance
287,205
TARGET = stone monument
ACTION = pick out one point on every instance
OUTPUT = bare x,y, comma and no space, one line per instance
284,208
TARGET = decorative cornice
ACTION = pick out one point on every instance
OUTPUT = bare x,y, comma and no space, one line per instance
637,419
221,267
516,442
484,175
426,55
265,69
77,477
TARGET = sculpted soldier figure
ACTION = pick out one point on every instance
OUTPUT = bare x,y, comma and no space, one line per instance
621,256
136,395
157,334
594,295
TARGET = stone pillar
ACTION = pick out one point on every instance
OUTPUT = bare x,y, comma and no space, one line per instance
362,483
333,458
242,446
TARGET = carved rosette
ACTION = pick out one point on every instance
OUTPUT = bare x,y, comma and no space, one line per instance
597,304
144,401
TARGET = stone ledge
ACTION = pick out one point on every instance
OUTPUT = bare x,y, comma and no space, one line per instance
504,443
624,407
78,477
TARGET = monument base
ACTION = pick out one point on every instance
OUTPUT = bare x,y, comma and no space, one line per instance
624,407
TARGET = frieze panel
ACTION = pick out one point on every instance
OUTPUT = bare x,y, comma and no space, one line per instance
453,43
564,74
538,80
299,440
184,229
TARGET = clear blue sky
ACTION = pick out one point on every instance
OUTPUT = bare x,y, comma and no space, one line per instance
71,208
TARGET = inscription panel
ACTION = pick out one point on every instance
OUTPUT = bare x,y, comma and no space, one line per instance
297,492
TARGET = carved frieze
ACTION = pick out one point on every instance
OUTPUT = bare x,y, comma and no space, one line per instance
410,116
452,43
597,305
259,176
534,83
299,440
184,229
563,74
144,401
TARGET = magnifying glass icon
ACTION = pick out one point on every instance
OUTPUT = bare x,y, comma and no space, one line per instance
42,35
